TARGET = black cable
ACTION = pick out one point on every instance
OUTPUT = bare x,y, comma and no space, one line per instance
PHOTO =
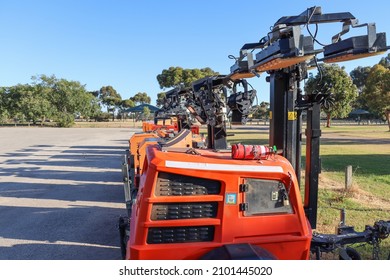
308,30
314,36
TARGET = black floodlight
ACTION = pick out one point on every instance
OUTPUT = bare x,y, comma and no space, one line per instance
240,102
243,67
355,48
286,46
174,103
279,62
209,97
284,53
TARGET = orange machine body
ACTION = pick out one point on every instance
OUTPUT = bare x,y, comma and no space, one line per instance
136,151
165,127
161,124
192,201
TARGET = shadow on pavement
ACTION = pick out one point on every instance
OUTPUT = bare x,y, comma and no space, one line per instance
61,203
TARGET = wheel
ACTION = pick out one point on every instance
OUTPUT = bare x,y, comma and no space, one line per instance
124,230
349,254
243,251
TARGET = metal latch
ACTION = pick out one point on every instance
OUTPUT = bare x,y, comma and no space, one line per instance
244,206
244,187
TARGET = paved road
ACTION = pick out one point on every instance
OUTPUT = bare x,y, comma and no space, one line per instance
61,193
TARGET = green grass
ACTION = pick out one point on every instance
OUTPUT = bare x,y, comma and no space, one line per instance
370,164
246,136
372,131
367,150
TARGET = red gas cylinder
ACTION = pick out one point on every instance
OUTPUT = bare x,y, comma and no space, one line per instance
240,151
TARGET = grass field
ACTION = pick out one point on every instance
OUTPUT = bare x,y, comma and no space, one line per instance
110,124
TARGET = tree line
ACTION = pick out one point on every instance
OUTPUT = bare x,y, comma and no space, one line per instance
60,100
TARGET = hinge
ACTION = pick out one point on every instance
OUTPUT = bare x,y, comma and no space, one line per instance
243,187
243,206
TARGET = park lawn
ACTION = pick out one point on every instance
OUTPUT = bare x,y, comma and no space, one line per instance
367,150
369,131
370,164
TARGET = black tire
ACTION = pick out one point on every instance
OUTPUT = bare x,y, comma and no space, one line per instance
243,251
351,253
123,226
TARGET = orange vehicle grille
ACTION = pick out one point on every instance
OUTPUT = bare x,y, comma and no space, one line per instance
172,211
169,184
180,234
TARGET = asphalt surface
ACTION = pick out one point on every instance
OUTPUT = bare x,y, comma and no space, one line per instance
61,193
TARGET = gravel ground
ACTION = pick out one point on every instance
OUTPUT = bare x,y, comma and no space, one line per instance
61,193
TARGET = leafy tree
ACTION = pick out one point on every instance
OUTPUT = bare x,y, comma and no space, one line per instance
385,61
89,106
103,117
160,99
48,98
95,93
261,111
146,113
67,98
3,105
34,103
177,76
377,91
12,102
108,91
126,103
110,98
141,98
24,102
335,80
359,76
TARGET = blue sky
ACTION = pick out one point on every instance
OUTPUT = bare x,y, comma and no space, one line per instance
126,44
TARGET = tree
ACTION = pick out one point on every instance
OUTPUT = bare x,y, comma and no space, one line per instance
145,113
12,102
177,76
34,103
261,111
385,61
89,107
377,92
108,91
333,79
141,98
4,110
110,98
359,76
126,103
67,99
48,98
160,99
